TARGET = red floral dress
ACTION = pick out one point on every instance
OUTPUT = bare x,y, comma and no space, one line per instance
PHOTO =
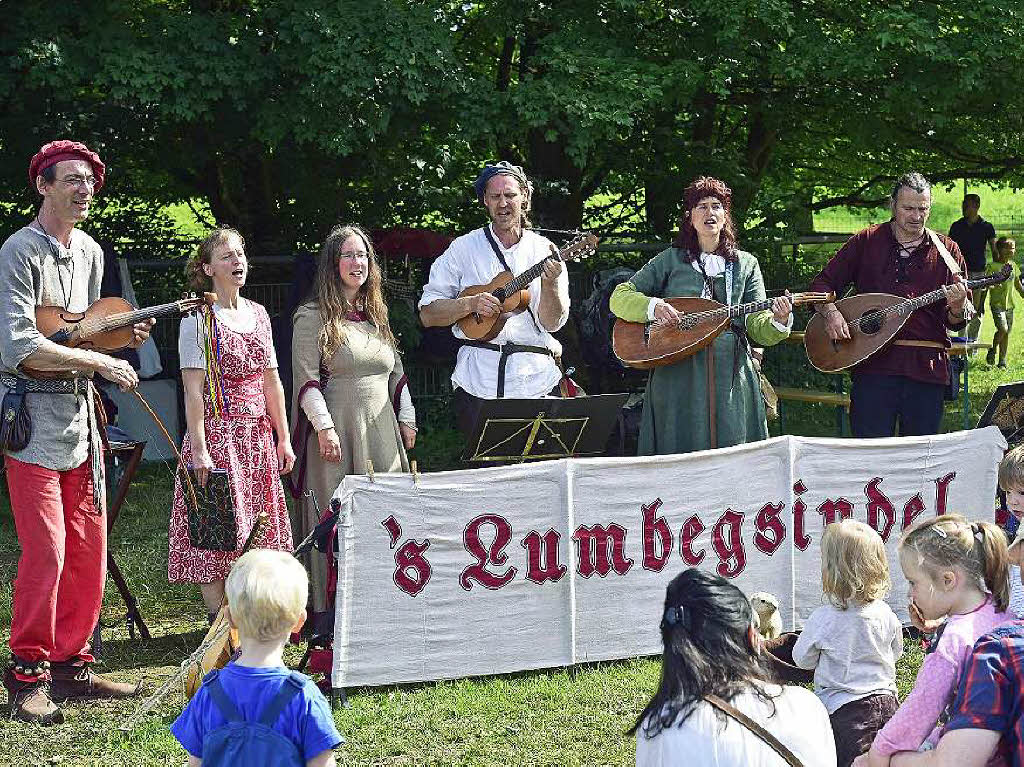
243,443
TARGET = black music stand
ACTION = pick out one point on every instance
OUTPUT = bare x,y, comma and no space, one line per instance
1006,410
518,430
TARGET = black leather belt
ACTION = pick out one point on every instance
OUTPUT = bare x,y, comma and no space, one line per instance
74,386
507,350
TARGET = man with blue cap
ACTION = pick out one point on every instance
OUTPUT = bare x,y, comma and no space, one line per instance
521,361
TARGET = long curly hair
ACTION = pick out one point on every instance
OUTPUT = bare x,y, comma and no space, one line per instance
330,298
707,651
686,239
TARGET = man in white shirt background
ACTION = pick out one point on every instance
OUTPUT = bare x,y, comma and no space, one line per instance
521,361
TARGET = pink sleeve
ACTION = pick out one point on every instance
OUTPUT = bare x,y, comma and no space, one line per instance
919,713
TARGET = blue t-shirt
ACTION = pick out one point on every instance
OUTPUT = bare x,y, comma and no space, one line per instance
306,721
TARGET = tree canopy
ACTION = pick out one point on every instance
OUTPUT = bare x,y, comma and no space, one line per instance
288,116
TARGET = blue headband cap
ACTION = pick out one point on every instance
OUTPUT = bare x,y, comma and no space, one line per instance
497,169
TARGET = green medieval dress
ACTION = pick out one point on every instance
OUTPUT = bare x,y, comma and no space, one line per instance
675,414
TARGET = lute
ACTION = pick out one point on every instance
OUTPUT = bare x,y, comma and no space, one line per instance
647,345
874,319
512,291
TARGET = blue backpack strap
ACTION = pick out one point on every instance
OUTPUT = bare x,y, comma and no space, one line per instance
220,698
292,686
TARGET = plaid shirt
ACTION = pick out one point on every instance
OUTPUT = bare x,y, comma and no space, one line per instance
991,696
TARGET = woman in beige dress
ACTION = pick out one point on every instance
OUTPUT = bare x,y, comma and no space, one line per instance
351,400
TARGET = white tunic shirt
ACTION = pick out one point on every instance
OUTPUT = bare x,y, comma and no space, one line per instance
853,652
470,261
799,721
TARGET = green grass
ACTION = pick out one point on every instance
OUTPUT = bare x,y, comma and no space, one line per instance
557,717
1003,207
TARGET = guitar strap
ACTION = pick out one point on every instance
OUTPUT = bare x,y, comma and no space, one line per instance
940,246
954,268
504,264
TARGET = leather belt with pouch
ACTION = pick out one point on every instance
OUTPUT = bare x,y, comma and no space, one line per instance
15,420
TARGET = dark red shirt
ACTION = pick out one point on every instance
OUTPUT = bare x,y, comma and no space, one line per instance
870,261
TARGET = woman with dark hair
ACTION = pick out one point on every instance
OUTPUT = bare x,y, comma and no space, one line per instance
350,401
712,650
704,261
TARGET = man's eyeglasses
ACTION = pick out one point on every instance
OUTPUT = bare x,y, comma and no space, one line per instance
76,181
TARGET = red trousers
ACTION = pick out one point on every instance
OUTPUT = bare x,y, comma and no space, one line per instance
59,588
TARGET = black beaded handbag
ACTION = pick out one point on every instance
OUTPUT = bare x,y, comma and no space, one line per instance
212,525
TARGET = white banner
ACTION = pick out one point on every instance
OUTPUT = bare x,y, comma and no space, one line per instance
496,570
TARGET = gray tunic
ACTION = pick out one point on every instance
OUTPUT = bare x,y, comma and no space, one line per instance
32,266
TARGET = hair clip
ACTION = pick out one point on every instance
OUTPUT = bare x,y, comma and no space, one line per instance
940,532
673,615
978,531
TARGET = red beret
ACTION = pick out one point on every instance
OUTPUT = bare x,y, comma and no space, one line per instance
58,151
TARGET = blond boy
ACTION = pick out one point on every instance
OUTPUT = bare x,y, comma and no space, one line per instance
1011,482
266,592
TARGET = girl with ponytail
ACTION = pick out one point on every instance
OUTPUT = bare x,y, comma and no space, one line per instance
957,570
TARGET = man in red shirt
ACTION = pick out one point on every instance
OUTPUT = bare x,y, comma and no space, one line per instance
904,382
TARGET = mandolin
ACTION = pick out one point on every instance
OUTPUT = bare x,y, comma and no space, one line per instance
874,319
512,291
647,345
106,325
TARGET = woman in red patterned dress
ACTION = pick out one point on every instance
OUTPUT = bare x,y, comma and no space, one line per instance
234,405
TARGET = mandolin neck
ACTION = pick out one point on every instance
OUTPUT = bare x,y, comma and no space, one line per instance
732,312
520,281
912,304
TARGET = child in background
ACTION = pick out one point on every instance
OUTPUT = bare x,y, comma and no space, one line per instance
957,569
1011,482
266,593
853,642
1001,299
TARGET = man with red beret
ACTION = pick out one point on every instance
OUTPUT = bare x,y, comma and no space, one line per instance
55,475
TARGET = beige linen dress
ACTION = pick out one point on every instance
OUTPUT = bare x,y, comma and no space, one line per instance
360,382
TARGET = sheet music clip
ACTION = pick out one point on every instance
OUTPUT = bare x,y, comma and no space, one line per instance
415,473
519,430
1006,410
369,470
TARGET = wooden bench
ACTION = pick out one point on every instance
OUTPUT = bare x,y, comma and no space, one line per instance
840,400
812,395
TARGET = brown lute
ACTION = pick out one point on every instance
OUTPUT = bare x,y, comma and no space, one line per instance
874,319
646,345
512,291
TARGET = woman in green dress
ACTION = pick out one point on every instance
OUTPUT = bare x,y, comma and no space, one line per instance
704,261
